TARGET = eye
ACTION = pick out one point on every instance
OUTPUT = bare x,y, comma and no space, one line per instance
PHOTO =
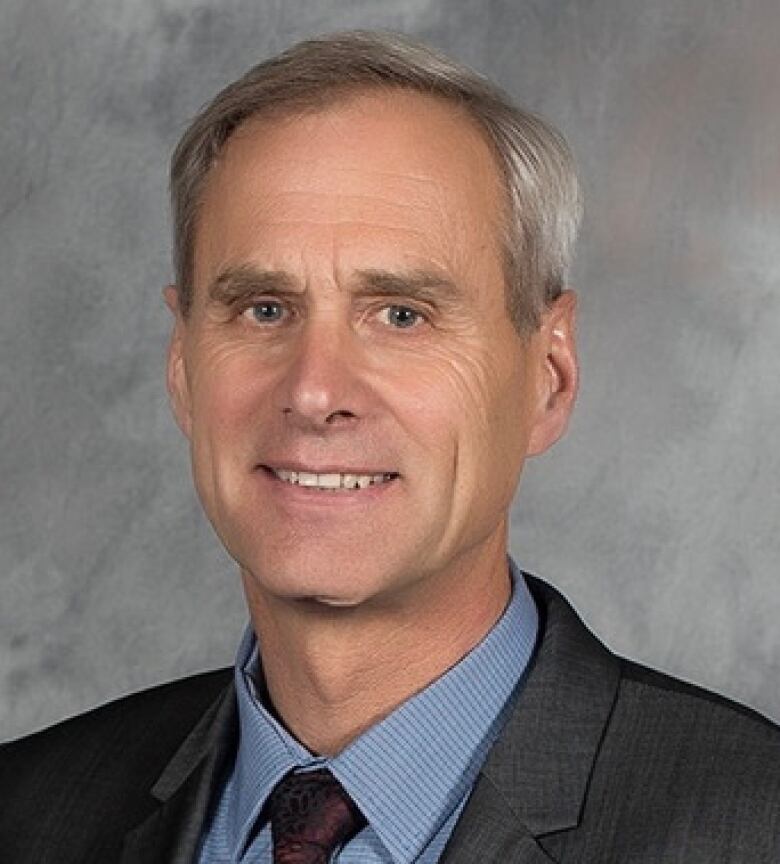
401,317
264,311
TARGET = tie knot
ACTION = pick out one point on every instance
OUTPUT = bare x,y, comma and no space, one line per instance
310,816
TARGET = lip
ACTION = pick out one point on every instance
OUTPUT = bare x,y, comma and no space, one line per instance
327,469
293,498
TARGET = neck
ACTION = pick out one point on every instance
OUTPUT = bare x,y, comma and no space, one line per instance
332,672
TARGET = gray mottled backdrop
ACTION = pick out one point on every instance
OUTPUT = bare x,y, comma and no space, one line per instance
658,515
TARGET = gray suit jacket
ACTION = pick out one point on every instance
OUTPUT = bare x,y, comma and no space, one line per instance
602,761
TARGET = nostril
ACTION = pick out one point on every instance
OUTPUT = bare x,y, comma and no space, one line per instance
335,415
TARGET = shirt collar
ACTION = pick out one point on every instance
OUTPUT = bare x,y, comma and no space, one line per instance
408,772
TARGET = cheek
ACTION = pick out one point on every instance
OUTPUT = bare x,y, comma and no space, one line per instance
469,422
482,389
492,444
224,387
467,401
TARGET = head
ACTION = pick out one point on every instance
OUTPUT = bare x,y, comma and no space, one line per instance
370,250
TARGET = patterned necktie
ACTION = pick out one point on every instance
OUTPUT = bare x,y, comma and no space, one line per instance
310,816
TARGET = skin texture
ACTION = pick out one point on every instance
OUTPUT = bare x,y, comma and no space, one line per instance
360,600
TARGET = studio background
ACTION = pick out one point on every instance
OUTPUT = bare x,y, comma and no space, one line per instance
658,513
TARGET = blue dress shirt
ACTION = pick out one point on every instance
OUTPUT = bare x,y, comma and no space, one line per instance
410,774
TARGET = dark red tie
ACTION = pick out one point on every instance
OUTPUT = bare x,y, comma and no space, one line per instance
310,816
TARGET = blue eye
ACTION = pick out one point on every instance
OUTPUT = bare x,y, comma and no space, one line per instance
402,317
266,311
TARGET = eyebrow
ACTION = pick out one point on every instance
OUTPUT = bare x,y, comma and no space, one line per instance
241,283
236,284
423,285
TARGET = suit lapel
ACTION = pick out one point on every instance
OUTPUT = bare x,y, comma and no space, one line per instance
488,831
536,775
171,833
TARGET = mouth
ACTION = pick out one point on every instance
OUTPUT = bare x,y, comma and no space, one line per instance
331,481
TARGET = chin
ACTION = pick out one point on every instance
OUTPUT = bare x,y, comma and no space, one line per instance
296,578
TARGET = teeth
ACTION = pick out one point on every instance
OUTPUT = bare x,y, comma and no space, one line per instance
326,481
331,481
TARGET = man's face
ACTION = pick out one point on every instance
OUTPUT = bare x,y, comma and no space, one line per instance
349,319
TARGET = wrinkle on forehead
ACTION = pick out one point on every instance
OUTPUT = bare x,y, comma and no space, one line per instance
323,150
317,207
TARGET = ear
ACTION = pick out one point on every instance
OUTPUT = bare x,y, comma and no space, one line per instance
558,372
176,377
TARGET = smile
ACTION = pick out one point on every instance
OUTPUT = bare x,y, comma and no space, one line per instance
332,482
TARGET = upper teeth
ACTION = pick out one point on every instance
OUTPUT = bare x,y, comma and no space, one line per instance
331,481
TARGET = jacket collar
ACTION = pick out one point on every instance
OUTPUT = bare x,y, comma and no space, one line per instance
170,835
543,760
535,778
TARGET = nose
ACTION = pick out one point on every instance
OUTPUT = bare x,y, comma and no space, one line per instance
320,388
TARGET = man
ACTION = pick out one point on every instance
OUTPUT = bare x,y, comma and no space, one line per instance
371,334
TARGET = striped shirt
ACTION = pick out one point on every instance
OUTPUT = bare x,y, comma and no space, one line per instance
410,774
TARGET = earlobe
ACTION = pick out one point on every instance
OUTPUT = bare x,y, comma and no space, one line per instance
559,373
176,371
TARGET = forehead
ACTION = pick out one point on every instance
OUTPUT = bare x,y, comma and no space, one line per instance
369,165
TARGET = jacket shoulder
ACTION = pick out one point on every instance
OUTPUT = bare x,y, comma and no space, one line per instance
706,734
641,683
683,768
170,709
98,766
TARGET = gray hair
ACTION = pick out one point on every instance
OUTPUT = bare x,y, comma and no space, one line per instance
535,164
